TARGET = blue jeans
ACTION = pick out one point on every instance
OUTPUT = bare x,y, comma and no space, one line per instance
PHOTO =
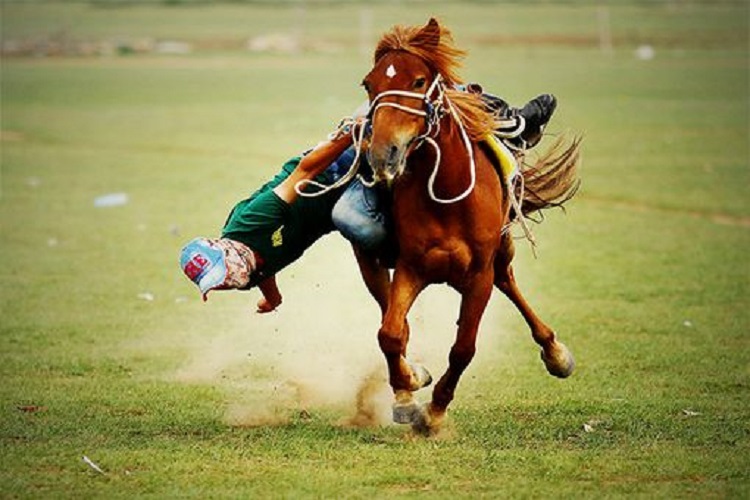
360,216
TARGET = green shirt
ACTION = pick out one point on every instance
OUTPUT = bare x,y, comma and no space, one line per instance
278,231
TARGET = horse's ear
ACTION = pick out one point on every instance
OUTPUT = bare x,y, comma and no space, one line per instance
429,35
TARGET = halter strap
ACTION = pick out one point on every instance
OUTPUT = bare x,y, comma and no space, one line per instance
436,84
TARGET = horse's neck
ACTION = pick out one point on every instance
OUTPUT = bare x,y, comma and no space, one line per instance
449,136
439,170
454,158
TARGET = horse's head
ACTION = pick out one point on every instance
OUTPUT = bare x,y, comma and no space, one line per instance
403,89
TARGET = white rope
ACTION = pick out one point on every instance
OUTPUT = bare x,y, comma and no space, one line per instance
426,136
357,141
516,186
516,202
519,122
400,107
323,188
405,93
472,163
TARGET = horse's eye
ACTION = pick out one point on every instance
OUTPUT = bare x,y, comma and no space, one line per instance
419,83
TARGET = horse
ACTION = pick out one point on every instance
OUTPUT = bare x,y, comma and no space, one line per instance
451,207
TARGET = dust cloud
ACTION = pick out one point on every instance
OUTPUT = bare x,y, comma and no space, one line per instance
288,364
318,351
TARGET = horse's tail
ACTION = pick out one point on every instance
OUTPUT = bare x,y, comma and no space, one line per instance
553,179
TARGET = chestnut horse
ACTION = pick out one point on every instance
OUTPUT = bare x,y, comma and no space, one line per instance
451,209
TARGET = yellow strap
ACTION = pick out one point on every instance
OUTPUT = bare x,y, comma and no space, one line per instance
508,163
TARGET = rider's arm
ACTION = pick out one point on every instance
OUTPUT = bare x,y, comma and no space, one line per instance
314,163
271,295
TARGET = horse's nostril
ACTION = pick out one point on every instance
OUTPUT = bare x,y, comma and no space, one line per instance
392,155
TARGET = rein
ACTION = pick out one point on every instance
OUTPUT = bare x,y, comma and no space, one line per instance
323,188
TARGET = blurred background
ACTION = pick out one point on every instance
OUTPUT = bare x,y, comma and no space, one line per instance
128,128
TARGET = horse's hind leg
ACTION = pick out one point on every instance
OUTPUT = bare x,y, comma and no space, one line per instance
556,356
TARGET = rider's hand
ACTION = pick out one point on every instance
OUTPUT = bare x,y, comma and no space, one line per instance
357,124
266,306
348,127
270,295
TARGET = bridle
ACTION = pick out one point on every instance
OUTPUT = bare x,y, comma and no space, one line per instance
434,110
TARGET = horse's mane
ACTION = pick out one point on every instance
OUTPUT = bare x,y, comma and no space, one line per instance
441,54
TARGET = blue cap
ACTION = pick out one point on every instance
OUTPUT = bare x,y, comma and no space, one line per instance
203,262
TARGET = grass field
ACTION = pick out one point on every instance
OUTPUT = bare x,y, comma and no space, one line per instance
107,352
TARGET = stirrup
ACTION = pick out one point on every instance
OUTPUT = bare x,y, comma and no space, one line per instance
510,128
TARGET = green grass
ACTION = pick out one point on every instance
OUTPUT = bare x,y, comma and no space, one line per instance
645,278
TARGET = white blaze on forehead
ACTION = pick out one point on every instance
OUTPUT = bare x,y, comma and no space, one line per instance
390,72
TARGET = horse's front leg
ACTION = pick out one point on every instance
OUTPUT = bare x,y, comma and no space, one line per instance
555,355
393,337
474,300
376,277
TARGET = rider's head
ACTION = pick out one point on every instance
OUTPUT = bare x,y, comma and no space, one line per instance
217,264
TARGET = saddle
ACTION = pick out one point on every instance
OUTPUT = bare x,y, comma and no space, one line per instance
506,163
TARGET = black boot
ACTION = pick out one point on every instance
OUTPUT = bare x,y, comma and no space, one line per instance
537,113
495,105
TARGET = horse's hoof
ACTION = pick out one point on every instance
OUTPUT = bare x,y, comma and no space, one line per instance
405,413
422,377
427,422
559,360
